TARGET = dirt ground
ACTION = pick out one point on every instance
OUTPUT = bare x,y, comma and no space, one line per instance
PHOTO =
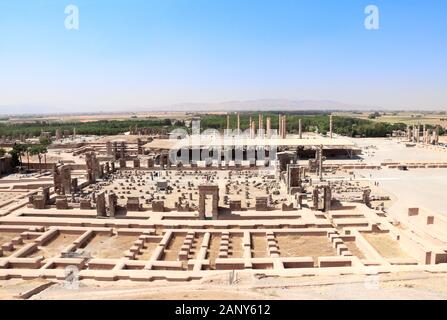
105,247
305,246
385,245
55,246
417,286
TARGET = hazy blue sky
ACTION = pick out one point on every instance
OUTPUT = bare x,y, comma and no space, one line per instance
150,53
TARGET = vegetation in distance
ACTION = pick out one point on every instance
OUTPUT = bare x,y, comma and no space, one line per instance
347,126
311,122
100,127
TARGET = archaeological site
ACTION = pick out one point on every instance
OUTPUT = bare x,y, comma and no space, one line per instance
237,209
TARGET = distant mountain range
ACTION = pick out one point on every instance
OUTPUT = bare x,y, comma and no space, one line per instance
271,105
231,106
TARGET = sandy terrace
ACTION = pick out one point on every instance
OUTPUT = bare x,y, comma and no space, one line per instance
259,247
109,247
385,245
6,196
54,247
304,246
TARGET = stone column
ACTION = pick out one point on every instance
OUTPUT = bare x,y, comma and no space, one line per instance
228,122
315,199
424,134
330,126
280,126
139,146
113,201
46,195
300,132
436,136
366,197
284,127
238,122
101,205
109,148
253,129
115,150
327,198
269,128
320,161
66,179
123,147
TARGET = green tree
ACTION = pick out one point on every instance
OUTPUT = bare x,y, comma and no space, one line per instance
45,141
38,150
2,152
20,150
14,158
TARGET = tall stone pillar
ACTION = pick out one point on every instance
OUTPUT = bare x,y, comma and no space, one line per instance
300,129
366,197
293,178
424,134
330,126
122,151
253,129
327,198
280,126
113,202
109,148
269,128
228,122
284,127
238,122
139,146
320,161
315,198
436,136
101,205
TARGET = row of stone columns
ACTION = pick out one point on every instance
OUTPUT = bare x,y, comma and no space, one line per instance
428,136
282,126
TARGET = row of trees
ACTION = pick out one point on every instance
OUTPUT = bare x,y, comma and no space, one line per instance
19,151
101,127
